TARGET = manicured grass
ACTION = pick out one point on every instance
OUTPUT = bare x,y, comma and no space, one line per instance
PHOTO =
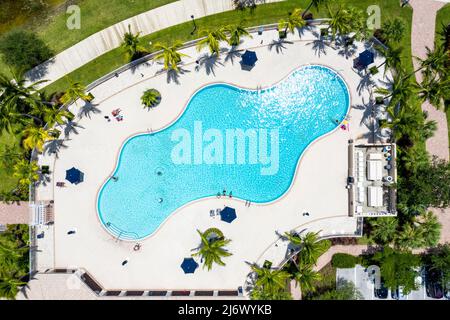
7,181
51,25
263,14
443,18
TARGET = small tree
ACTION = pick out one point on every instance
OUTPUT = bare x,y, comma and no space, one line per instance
22,50
212,250
398,268
236,33
170,55
151,98
212,40
131,45
270,284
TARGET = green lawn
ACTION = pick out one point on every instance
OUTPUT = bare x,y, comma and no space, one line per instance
263,14
7,182
51,26
443,18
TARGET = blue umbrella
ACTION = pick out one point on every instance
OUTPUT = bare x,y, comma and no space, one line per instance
74,176
366,57
189,265
228,214
249,58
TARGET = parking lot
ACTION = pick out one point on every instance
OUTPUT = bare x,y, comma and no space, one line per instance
360,277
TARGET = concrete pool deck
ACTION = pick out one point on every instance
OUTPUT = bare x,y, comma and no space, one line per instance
319,186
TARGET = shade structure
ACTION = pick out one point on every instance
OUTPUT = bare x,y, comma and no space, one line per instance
228,214
74,176
189,265
366,57
249,59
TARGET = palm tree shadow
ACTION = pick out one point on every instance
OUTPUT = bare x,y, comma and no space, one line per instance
279,45
87,109
70,127
301,31
53,147
43,179
368,120
231,54
346,50
365,84
209,62
136,66
26,287
367,117
172,75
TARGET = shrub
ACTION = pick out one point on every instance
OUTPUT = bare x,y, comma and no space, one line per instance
23,50
151,98
343,260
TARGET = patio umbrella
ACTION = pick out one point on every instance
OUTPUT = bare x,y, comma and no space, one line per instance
74,176
366,57
189,265
228,214
249,59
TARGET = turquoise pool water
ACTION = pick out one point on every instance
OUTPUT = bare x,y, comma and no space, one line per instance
156,176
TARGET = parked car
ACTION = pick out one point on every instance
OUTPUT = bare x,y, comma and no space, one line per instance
394,294
401,295
433,283
447,291
382,292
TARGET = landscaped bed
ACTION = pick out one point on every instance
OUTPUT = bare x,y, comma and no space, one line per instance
263,14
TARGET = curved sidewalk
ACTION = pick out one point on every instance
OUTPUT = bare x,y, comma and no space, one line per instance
422,36
111,38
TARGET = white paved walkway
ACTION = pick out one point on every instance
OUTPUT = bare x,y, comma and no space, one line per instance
319,186
110,38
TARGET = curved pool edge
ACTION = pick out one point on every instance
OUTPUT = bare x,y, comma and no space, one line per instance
181,113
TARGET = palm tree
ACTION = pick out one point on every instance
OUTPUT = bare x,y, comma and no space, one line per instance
170,55
431,228
212,40
305,277
435,90
383,230
269,281
435,64
26,172
400,91
357,19
236,33
392,58
410,237
36,137
295,20
151,98
310,246
340,21
9,287
212,250
314,3
75,91
131,45
55,115
18,100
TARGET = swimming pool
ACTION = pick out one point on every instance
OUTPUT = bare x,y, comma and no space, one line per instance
154,177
